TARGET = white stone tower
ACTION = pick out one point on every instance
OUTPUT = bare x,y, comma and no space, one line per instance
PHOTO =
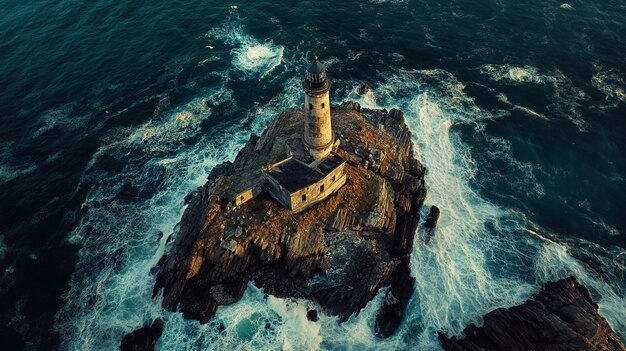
318,132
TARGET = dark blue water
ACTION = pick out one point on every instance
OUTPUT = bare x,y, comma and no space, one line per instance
111,112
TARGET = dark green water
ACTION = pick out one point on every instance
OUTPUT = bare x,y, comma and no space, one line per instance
111,112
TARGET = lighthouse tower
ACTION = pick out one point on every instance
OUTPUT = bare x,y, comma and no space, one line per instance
318,133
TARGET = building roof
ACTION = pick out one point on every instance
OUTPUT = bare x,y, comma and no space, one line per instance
293,174
329,163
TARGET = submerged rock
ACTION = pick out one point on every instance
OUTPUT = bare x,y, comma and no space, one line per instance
143,339
562,316
339,252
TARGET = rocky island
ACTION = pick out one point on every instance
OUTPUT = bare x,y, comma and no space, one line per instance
338,250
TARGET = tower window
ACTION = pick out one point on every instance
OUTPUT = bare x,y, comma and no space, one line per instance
322,188
303,197
310,106
333,178
322,105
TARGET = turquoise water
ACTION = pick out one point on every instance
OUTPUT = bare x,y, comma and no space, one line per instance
111,113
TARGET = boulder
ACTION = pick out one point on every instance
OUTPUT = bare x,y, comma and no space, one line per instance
312,315
433,218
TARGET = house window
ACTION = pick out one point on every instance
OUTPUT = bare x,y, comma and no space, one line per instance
333,178
303,197
310,106
241,198
322,105
322,188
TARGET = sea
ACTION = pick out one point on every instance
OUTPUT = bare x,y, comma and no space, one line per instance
112,111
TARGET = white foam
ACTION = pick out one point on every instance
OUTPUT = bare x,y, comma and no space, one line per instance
610,83
566,6
512,74
251,56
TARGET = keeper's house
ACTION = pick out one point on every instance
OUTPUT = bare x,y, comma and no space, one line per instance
298,186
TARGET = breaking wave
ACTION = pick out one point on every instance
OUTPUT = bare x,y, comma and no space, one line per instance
482,257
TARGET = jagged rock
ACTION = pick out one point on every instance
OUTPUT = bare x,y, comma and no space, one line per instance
339,252
144,338
563,316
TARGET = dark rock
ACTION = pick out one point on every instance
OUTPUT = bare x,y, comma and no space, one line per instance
431,223
396,300
433,218
563,316
363,88
312,315
339,252
144,338
350,105
188,198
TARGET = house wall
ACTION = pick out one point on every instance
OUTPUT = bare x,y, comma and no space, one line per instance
313,193
279,193
246,195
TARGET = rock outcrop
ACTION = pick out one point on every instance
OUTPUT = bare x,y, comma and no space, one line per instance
563,316
144,338
339,252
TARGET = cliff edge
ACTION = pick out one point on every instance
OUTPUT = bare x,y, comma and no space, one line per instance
339,252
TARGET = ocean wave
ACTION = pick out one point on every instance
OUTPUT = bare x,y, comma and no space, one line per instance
10,172
478,259
566,99
504,99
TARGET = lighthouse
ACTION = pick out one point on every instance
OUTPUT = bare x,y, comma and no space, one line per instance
318,132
